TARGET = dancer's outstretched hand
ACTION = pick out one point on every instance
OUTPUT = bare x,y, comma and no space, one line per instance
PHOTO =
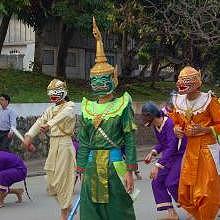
27,141
149,157
28,144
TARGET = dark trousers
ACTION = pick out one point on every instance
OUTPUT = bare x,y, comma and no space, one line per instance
4,141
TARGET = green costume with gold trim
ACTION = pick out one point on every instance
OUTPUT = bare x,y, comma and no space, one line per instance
105,129
103,196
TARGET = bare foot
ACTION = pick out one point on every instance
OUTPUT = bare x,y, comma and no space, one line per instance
169,214
64,213
172,214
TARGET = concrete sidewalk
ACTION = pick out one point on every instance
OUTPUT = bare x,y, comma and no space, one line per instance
44,207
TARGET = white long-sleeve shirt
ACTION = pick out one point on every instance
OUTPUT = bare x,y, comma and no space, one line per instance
7,119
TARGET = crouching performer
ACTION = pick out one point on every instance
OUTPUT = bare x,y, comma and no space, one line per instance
12,170
59,120
166,171
106,125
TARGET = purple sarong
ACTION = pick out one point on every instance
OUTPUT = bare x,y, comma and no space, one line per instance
167,181
12,170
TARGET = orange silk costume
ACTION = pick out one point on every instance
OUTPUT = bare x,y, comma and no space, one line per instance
199,187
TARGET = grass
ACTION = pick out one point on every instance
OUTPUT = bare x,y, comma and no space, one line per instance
27,87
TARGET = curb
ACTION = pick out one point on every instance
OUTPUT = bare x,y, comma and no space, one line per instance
34,174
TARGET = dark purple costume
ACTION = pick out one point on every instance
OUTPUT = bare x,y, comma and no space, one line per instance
12,170
167,180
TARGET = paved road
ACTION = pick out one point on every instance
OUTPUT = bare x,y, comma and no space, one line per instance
44,207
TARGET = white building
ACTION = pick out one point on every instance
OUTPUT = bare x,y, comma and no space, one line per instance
20,44
20,39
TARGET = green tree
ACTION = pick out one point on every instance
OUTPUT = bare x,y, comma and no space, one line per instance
70,16
7,8
172,33
36,14
77,16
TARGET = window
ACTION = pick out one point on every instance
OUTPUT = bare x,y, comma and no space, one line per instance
48,57
72,59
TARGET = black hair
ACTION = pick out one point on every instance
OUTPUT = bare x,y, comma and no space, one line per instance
151,108
7,97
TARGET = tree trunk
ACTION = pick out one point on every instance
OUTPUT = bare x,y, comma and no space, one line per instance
142,73
65,38
197,61
155,70
38,51
177,68
4,28
124,53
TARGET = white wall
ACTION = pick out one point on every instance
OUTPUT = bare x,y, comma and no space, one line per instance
36,109
14,61
18,32
29,57
20,37
26,50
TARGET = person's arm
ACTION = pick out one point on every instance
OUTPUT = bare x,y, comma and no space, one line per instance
35,129
83,151
170,147
12,121
153,153
157,148
68,111
129,128
214,109
179,124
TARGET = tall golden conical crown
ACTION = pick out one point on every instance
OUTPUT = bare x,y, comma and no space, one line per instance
101,66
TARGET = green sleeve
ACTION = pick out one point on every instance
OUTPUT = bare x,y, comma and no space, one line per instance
83,152
129,128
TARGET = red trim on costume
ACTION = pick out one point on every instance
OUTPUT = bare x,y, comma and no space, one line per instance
80,169
132,167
